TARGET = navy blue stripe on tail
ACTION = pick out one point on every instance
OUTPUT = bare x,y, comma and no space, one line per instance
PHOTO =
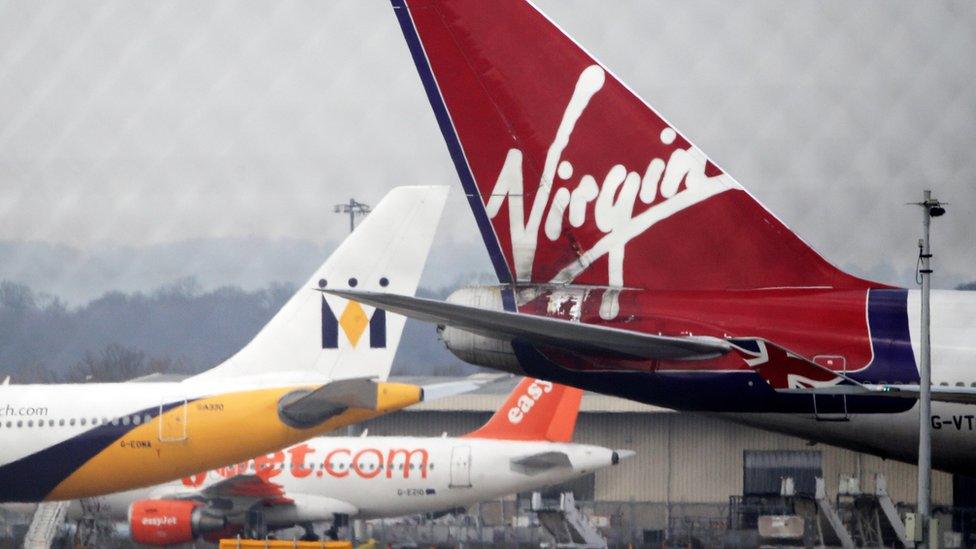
894,361
457,153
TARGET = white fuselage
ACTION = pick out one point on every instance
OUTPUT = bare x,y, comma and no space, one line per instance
373,477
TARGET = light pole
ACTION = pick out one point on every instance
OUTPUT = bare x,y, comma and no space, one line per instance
931,207
352,208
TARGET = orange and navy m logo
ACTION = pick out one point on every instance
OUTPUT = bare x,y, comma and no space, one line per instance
353,322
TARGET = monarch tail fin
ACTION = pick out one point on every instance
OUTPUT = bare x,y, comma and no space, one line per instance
535,410
327,336
573,178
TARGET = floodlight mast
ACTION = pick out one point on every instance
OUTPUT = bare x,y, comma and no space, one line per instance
931,207
353,208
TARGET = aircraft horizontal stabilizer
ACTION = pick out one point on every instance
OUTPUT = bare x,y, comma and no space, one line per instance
544,331
451,388
305,408
536,463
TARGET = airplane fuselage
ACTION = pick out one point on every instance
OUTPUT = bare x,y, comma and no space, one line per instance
80,440
375,477
871,335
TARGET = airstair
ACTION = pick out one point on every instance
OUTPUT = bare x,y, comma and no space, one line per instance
890,512
48,519
828,512
566,523
873,519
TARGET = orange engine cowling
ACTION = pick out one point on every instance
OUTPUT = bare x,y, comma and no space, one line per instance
170,521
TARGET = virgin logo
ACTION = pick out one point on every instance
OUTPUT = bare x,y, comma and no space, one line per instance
525,402
613,199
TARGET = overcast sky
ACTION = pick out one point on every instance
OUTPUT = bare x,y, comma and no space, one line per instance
151,122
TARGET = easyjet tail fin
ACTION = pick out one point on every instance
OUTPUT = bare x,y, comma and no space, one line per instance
535,410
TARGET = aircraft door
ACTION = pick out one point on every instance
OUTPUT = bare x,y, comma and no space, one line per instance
173,420
461,467
831,407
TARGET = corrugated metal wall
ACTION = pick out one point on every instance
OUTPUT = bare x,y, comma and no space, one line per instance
681,458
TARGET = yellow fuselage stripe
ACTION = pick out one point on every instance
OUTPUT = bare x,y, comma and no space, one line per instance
220,430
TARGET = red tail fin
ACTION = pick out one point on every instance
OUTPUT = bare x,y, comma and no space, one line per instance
536,410
573,178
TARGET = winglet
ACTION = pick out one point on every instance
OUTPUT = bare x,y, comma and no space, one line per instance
535,410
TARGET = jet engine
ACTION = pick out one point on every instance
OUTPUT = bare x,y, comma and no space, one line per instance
170,521
477,349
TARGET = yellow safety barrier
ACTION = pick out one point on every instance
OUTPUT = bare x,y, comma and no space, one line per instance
282,544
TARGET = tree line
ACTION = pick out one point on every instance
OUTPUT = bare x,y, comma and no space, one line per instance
174,329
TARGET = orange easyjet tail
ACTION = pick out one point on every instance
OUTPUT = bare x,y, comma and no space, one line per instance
535,410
